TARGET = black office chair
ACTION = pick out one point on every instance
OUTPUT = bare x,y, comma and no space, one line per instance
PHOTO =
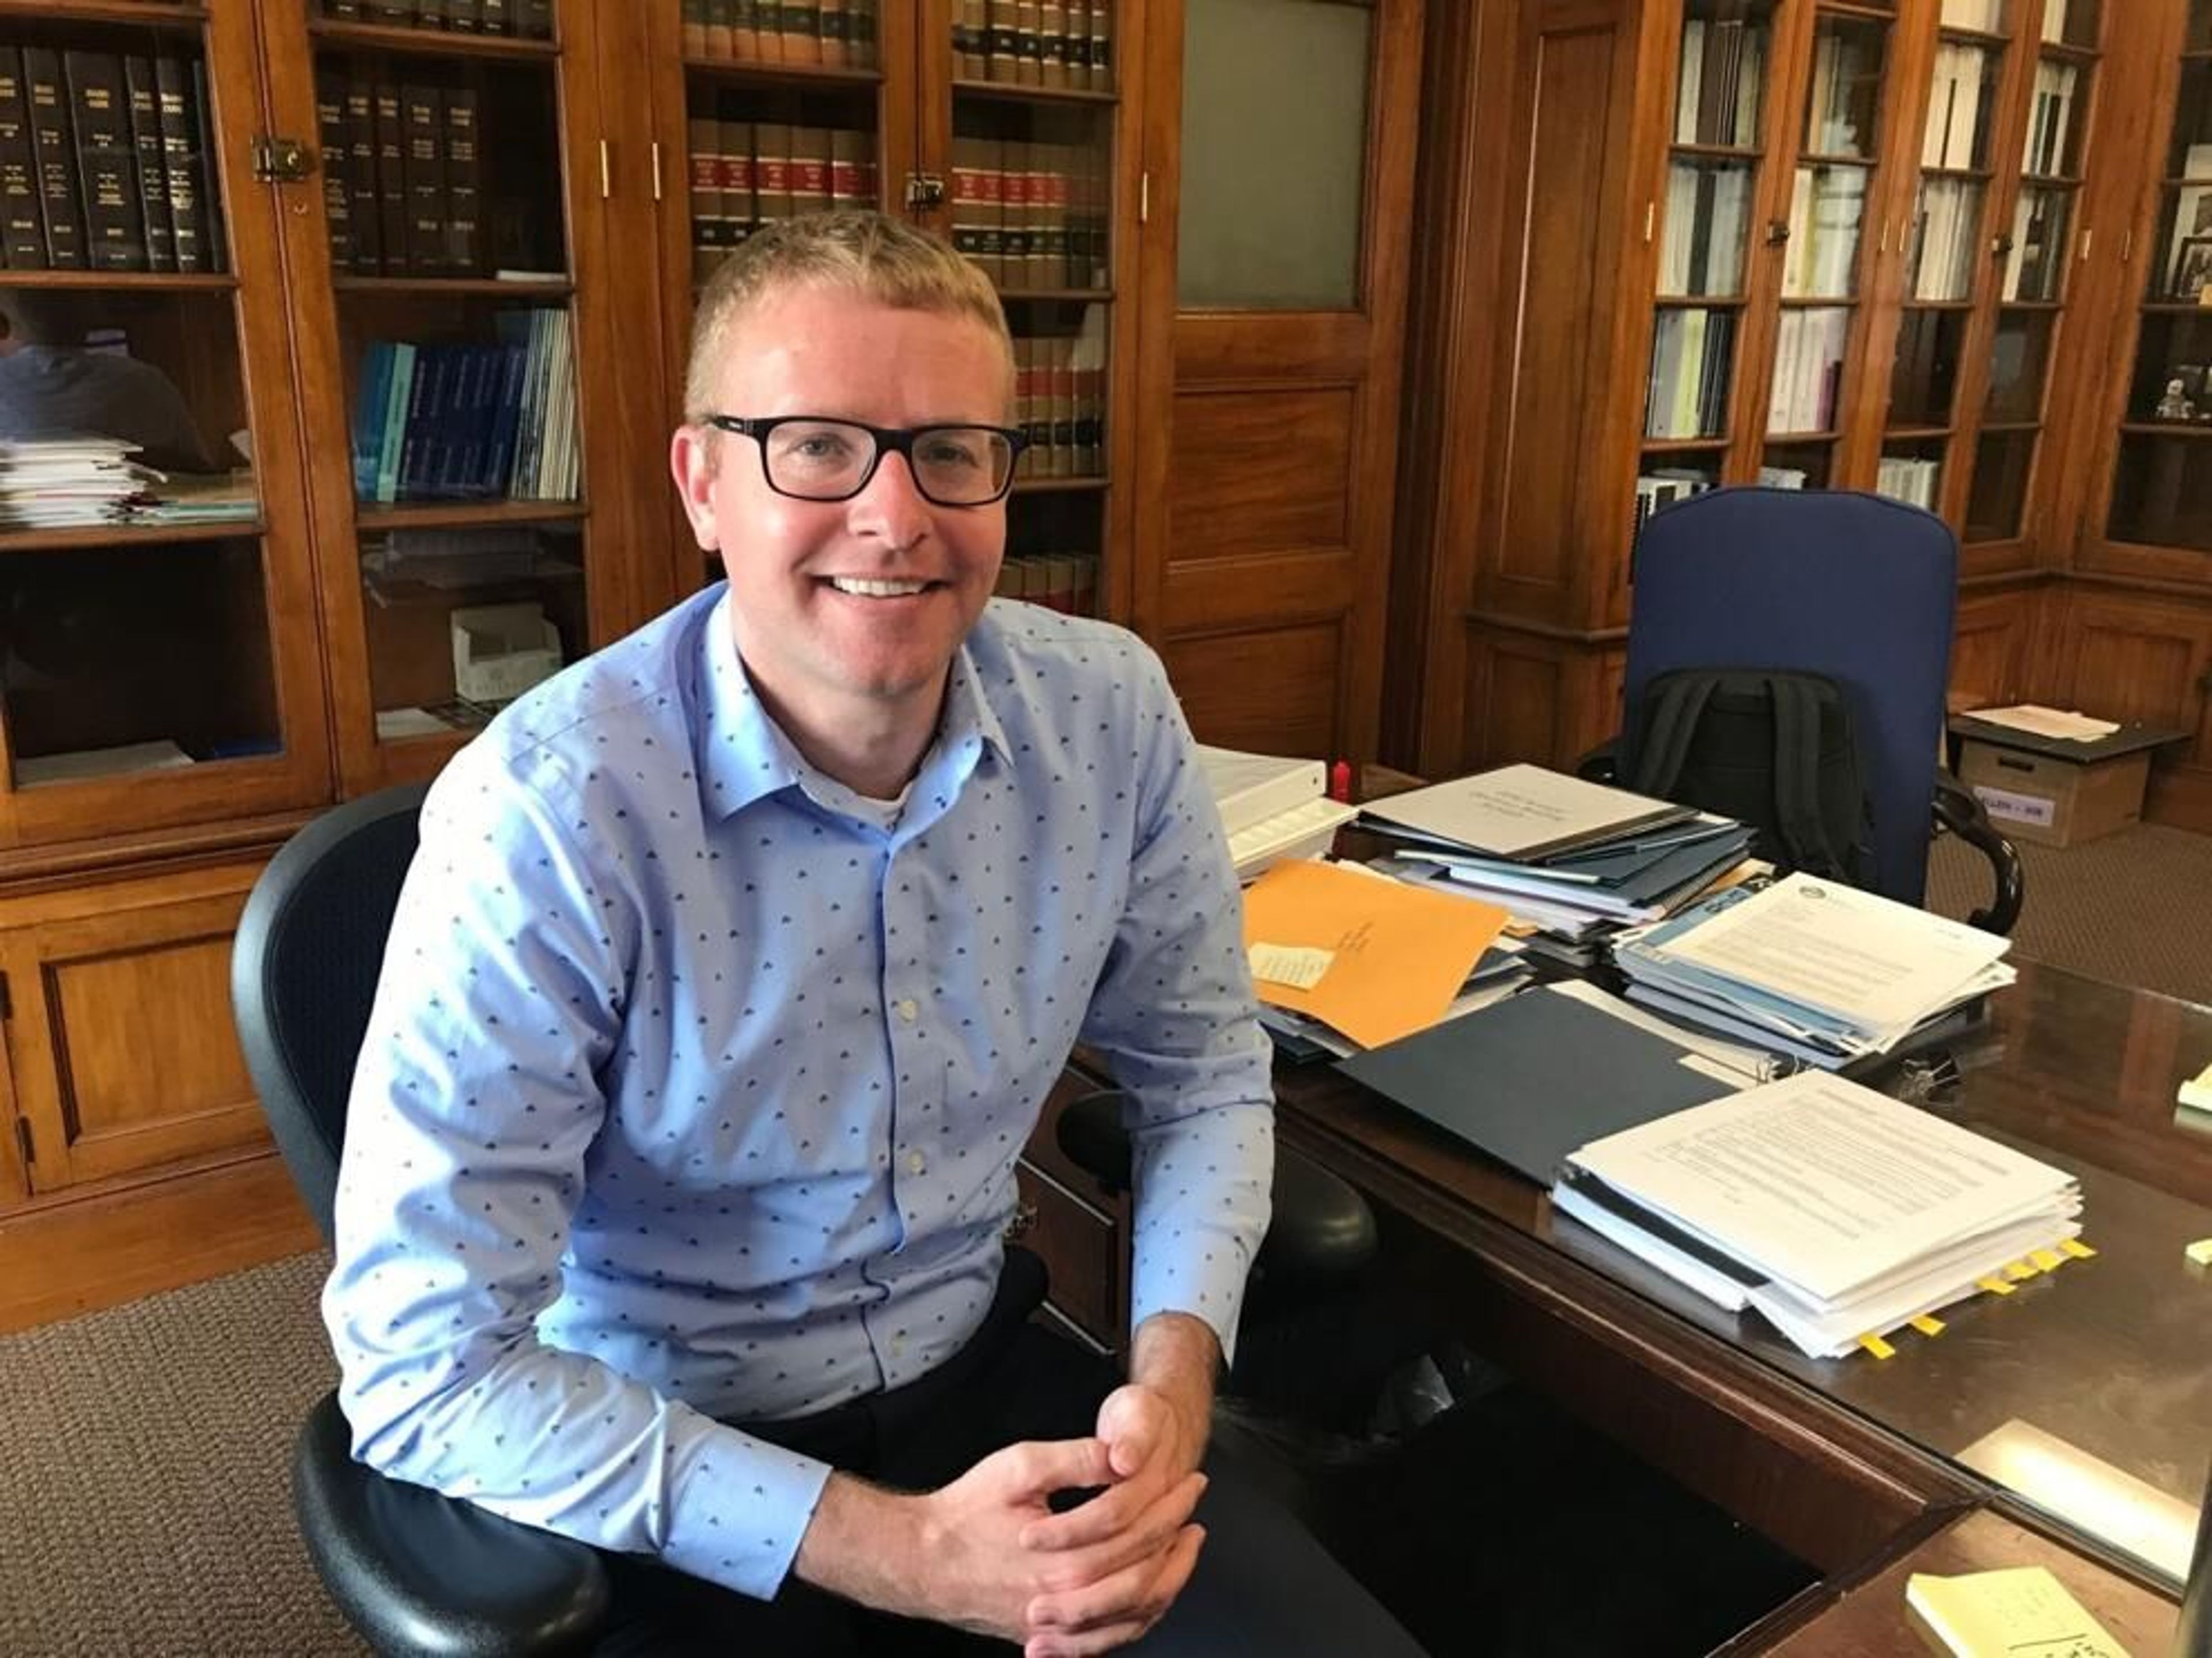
415,1572
1854,587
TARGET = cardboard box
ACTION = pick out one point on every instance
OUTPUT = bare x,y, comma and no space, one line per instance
2053,802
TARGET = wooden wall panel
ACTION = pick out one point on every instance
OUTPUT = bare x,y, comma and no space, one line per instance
1990,649
1275,691
1261,471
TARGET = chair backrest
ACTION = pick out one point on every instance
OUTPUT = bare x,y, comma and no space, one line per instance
303,974
1855,587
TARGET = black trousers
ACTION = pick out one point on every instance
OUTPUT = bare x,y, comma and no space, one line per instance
1263,1586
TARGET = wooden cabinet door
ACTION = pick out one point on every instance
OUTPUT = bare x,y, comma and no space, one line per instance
1274,298
119,1032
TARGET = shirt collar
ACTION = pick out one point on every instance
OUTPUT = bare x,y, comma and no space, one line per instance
745,755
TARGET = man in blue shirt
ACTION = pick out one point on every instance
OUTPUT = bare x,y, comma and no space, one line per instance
725,991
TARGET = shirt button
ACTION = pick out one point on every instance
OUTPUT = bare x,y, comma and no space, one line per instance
909,1010
915,1163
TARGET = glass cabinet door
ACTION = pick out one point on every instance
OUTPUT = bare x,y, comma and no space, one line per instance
452,465
158,662
2161,484
1708,219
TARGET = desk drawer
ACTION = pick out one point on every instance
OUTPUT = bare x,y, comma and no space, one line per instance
1082,1247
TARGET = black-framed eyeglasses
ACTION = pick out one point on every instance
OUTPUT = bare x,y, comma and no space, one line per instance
812,458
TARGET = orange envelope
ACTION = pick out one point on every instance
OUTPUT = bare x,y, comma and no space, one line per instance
1401,954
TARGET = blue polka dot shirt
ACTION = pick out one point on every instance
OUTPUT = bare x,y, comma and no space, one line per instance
694,1082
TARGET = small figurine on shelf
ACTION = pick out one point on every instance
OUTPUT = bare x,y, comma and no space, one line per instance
2175,404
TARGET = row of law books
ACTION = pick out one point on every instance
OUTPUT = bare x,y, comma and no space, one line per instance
747,173
833,34
1692,352
1038,43
1032,215
1067,582
1060,402
402,175
471,422
1808,369
105,162
529,19
1722,78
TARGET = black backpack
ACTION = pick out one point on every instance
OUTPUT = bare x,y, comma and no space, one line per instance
1770,747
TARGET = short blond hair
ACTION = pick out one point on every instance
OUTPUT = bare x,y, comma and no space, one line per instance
870,255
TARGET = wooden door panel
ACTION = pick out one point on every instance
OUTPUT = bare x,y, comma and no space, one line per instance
1989,650
124,1054
1263,468
1274,690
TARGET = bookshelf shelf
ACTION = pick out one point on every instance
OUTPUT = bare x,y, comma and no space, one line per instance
1817,302
455,288
1915,434
1682,446
1058,486
1699,301
1933,305
181,16
1810,158
463,515
431,43
1984,38
749,72
1972,175
1795,440
104,536
1716,152
1058,296
2146,428
138,281
1018,93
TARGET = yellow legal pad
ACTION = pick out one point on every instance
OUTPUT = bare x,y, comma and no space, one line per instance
2023,1612
1398,955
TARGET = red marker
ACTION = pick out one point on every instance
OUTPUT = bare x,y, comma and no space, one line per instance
1339,781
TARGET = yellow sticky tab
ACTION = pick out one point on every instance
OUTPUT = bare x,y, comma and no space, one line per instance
2078,1249
1877,1346
2019,1272
1995,1286
2047,1260
2200,1251
1928,1325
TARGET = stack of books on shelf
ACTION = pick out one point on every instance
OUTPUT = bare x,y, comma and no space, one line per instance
1662,487
745,173
1067,582
403,175
1691,353
1707,208
1956,112
1272,808
1808,369
1060,401
69,480
1845,90
103,162
1036,43
1572,862
181,499
1032,215
471,422
2038,234
1837,1214
1912,482
530,19
1950,211
1812,970
1825,212
1983,16
2043,154
1722,76
833,33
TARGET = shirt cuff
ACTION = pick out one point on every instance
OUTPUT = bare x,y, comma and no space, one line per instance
742,1506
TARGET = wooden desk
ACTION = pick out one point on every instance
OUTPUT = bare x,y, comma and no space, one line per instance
1850,1462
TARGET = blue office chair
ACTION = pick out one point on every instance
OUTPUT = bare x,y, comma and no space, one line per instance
414,1571
1854,587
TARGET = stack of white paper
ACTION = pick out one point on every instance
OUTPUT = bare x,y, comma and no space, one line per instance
1273,809
68,479
1833,1211
1811,969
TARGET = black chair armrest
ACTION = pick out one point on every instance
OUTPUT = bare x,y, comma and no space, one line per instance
1602,764
427,1576
1322,1234
1959,811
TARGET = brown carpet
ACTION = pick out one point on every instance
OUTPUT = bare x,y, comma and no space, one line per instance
2132,909
144,1504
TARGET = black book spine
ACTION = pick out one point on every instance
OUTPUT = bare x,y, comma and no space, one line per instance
430,14
396,13
60,214
344,11
107,162
21,236
337,164
464,182
498,16
391,179
153,167
188,221
465,16
536,17
368,216
206,168
424,111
